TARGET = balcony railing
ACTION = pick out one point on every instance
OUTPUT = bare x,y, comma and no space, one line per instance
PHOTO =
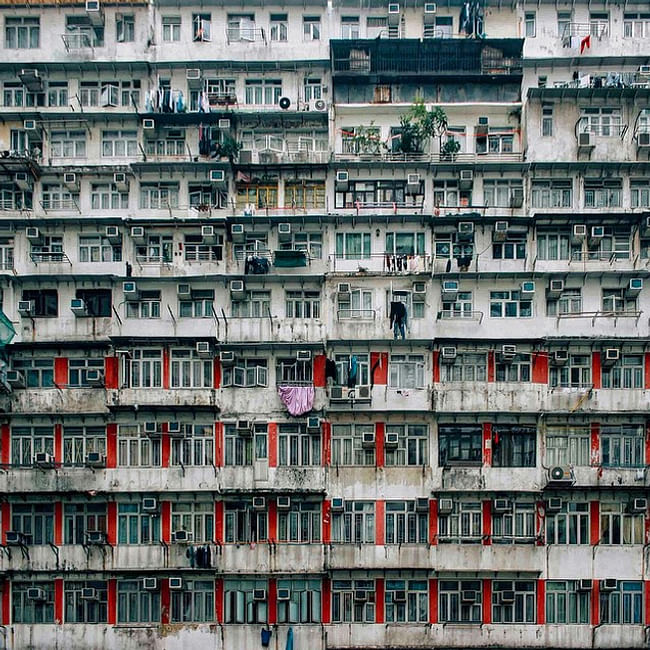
59,204
449,314
245,35
355,314
598,29
392,206
629,313
78,41
41,257
459,158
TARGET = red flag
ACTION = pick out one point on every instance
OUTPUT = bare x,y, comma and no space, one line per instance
585,43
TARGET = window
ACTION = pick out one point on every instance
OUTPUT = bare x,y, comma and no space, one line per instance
195,603
565,604
640,192
568,526
311,28
378,194
468,366
136,450
348,447
522,610
22,33
568,302
82,610
135,604
143,368
256,304
242,447
301,523
28,610
12,199
622,445
171,29
553,245
189,370
118,144
601,121
567,446
405,243
516,370
404,524
68,144
626,373
376,26
547,122
503,193
263,92
599,23
406,601
406,371
279,28
297,447
497,140
50,249
195,517
463,525
636,25
80,33
515,525
82,518
201,28
241,27
513,446
241,605
530,26
197,251
344,366
157,249
509,304
459,444
347,606
78,442
576,373
443,28
615,301
304,604
355,304
196,448
349,26
56,197
125,28
244,523
622,605
78,371
97,248
168,143
312,89
514,248
156,196
14,94
306,195
352,246
35,521
412,445
603,194
45,302
134,526
302,304
98,302
356,524
246,373
89,93
147,306
564,23
57,93
454,608
462,307
446,194
28,441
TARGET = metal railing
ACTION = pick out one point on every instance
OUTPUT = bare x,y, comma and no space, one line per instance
49,256
392,263
389,156
78,41
598,29
602,314
448,314
355,314
597,256
60,204
245,35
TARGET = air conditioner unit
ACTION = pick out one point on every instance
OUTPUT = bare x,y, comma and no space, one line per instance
399,596
15,538
218,176
419,288
501,505
644,69
15,379
597,232
43,459
449,290
394,14
643,139
259,503
313,424
445,506
29,125
340,394
183,290
422,504
37,594
203,348
33,234
78,307
70,180
391,440
360,595
208,234
429,13
318,105
193,74
342,181
95,377
150,428
343,287
448,354
113,235
23,180
586,140
560,475
338,504
95,459
284,594
634,287
150,584
26,307
148,124
92,5
579,232
227,358
175,429
555,288
284,503
259,594
284,232
560,357
244,427
507,597
138,234
120,181
465,231
500,232
368,439
181,537
412,183
176,584
469,596
508,352
554,504
611,356
609,584
89,593
96,537
638,505
223,124
466,178
237,233
237,290
303,355
585,584
363,393
149,504
527,289
130,291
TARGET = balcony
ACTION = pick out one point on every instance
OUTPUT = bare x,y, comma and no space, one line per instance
245,35
382,263
428,158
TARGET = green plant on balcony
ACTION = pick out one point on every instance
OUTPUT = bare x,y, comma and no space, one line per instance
449,149
366,141
228,148
420,125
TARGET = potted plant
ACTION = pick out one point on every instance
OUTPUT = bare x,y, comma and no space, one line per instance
228,148
449,149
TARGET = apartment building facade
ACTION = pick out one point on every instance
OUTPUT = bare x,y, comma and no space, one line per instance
211,431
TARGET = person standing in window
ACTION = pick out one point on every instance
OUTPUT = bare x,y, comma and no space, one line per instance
398,319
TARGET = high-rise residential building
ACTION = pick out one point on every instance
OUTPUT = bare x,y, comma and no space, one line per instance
324,323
